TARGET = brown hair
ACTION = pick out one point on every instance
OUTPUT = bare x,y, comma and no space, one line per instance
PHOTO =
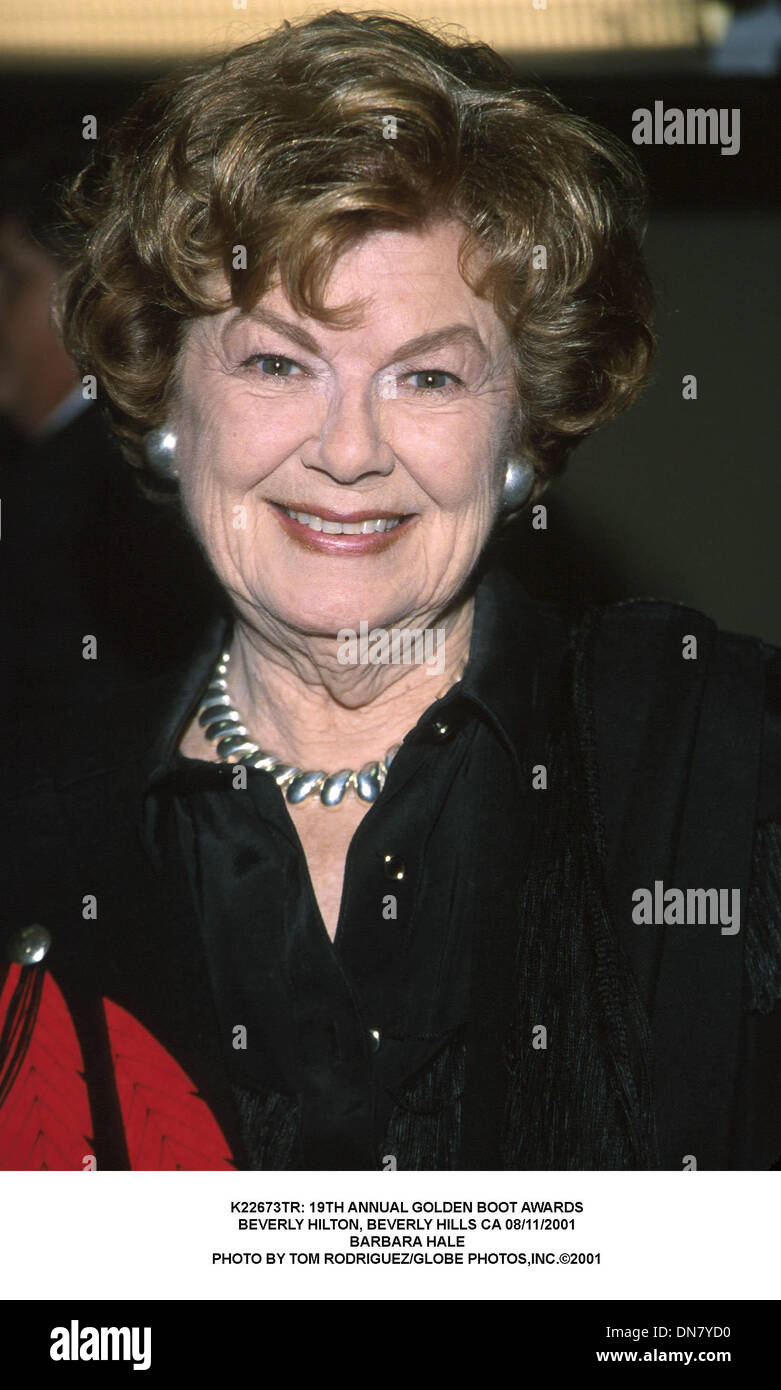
281,146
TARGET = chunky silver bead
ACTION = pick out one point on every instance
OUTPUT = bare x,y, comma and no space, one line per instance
390,755
231,742
302,785
335,786
244,750
225,726
213,711
283,773
263,762
369,782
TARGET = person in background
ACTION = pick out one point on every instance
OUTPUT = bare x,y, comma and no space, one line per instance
83,553
39,388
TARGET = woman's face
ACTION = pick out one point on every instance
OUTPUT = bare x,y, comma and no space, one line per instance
355,426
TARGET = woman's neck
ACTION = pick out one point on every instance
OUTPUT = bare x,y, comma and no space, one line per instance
300,702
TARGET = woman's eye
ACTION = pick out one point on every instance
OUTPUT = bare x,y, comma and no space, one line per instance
434,380
271,364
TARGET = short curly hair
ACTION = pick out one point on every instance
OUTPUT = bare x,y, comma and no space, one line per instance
281,146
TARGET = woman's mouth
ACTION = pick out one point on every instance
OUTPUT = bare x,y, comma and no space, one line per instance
353,533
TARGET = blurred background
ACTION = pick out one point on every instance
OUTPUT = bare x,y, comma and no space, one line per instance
679,499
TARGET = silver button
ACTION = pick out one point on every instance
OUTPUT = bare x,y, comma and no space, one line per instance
441,729
394,867
29,945
375,1038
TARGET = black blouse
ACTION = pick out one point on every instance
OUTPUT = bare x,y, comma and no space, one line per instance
343,1025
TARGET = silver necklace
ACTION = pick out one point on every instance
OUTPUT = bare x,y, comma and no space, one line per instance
223,726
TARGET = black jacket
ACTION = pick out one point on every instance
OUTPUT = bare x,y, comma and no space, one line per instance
662,1042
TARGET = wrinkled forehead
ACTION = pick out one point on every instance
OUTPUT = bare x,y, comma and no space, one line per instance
401,284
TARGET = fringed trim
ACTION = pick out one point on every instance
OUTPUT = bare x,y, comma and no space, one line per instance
423,1131
584,1101
763,925
627,1027
269,1127
425,1125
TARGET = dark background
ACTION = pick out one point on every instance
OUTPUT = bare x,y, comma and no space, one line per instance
678,499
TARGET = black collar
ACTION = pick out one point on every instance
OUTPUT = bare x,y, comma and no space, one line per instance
517,645
515,639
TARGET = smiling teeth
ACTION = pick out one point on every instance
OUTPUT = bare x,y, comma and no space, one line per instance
347,528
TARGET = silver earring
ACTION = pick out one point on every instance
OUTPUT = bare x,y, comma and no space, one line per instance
160,452
518,484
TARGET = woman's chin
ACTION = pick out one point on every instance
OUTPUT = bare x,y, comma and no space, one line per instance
322,609
335,622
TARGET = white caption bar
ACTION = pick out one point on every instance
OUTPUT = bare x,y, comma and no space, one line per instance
401,1235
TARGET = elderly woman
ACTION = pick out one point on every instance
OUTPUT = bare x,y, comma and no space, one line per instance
404,869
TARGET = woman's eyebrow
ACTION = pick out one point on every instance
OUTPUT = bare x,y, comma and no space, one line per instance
424,342
428,342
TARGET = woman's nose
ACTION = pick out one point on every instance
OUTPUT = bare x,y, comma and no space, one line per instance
350,443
